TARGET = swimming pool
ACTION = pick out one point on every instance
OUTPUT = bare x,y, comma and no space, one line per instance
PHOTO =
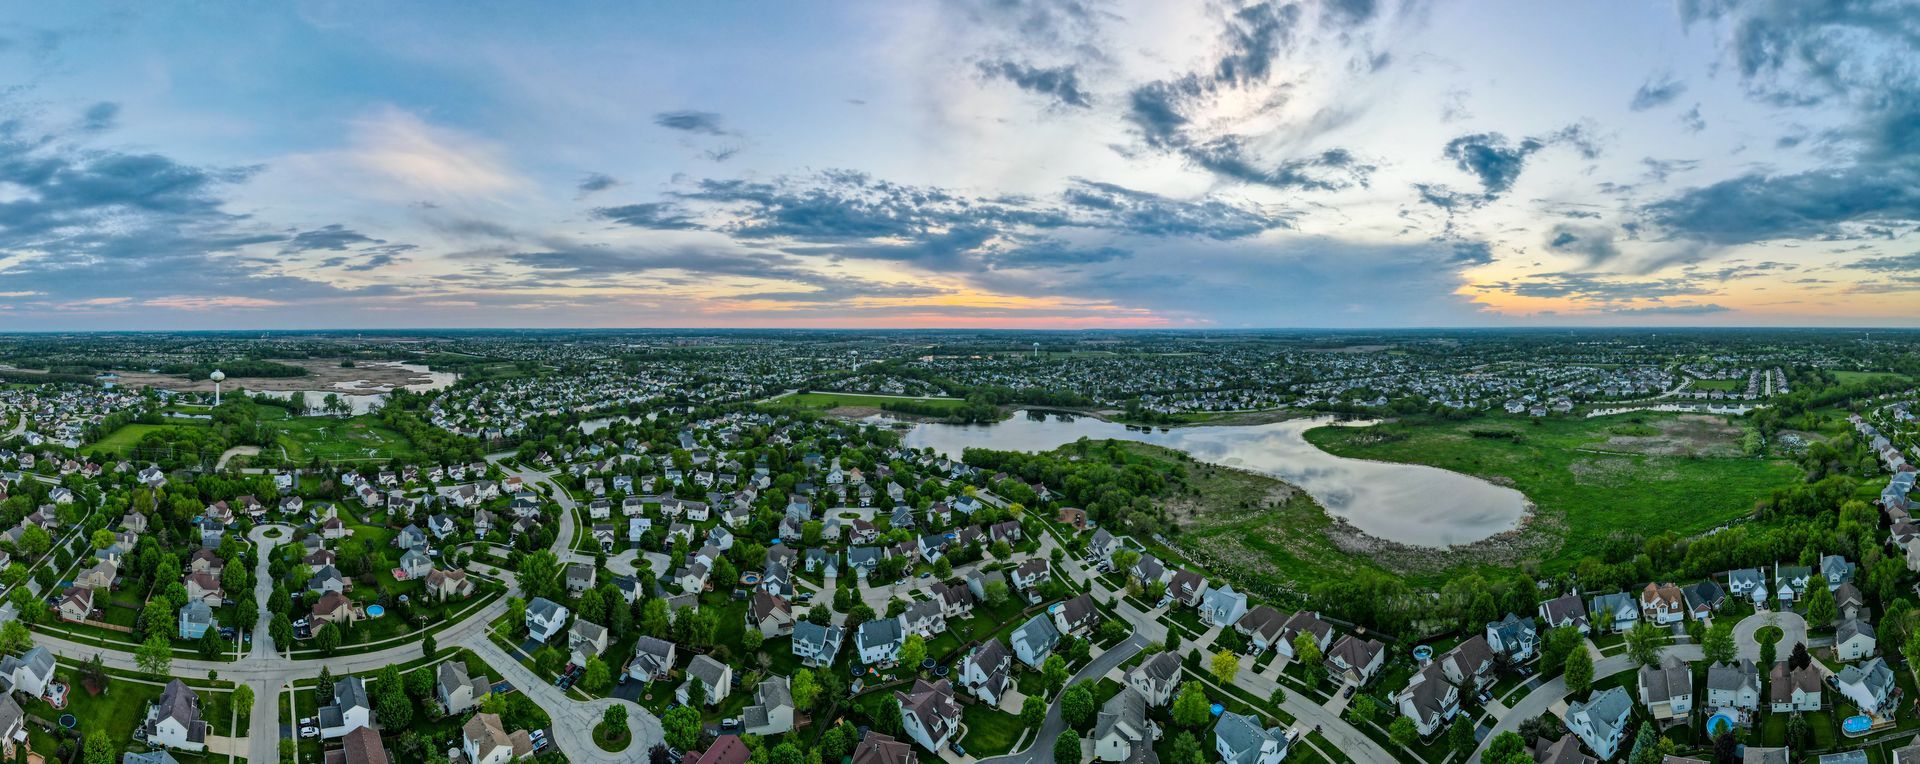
375,611
1856,725
1719,723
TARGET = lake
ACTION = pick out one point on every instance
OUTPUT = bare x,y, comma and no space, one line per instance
1408,503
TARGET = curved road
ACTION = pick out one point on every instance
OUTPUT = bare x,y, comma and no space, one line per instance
1040,751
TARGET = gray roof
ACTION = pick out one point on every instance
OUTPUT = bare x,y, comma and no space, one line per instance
1244,736
1672,679
709,671
1733,677
1607,711
543,609
877,632
1037,633
1850,628
1126,707
351,692
1873,674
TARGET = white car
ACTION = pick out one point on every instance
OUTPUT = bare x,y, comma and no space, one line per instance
309,731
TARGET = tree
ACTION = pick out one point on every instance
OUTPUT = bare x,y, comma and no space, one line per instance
1799,659
1191,708
281,631
1066,748
752,639
1033,711
1054,671
390,699
596,677
682,727
1645,643
803,689
1402,732
1225,666
912,651
1364,710
242,702
1646,747
614,722
155,656
1507,748
1579,671
429,646
1767,652
1460,736
1555,645
654,618
1820,604
328,639
1726,748
1076,706
14,637
1185,749
100,748
1718,646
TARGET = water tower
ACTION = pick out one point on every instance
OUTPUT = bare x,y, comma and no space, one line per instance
217,376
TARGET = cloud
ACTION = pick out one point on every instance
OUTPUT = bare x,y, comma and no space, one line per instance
654,215
1588,288
1051,252
401,150
1491,158
594,183
702,122
1254,36
1669,310
1811,204
104,115
1909,263
1593,243
1472,253
335,237
1661,169
1061,83
1656,93
1692,120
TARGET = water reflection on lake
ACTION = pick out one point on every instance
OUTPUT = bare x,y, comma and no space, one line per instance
1411,504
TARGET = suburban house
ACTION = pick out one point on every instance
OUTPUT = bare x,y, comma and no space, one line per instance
772,709
1667,690
174,720
1076,616
361,746
771,614
1854,640
1514,637
350,710
1795,689
1704,599
1663,604
880,748
1122,731
878,641
1241,740
1356,660
585,639
1868,684
457,690
652,659
1601,721
485,741
816,645
984,672
27,674
196,619
1733,685
1034,640
545,619
1429,699
1222,606
715,678
1565,610
929,714
1155,678
1615,612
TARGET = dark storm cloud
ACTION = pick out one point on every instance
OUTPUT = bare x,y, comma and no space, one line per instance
1492,158
653,215
335,237
703,122
1656,93
1061,83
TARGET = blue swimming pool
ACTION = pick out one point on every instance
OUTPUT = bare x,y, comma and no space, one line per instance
375,611
1856,725
1719,723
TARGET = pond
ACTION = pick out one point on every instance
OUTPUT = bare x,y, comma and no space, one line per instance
1408,503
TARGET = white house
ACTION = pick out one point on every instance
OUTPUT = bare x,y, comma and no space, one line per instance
1601,721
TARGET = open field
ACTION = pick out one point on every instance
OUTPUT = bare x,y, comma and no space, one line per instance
1589,478
1851,377
1730,385
334,439
120,441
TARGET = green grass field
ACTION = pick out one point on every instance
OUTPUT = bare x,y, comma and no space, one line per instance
1731,385
1642,473
1851,377
330,439
124,439
838,400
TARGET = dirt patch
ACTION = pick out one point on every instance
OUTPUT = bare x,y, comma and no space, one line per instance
1685,435
322,374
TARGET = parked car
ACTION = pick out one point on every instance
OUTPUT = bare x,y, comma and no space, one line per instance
309,731
1348,693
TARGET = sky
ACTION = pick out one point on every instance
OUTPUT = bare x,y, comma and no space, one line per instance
965,163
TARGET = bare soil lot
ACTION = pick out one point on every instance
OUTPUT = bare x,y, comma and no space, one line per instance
323,374
1688,435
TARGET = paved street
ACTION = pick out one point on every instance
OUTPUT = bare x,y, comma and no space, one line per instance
1040,747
